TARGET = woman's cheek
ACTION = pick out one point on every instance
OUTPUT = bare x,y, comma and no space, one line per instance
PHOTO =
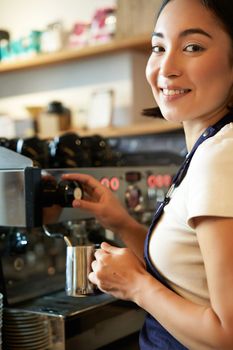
150,71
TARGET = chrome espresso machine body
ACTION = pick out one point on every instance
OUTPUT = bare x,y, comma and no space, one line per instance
38,314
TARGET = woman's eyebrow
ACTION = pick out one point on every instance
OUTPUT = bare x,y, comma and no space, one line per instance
191,31
185,33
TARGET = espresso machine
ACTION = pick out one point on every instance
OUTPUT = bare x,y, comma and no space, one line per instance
37,225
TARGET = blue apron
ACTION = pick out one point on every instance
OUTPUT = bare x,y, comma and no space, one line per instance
153,335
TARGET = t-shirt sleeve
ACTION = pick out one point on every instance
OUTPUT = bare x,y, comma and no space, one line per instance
210,180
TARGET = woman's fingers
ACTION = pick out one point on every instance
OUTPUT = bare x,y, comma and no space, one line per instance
108,248
92,278
100,201
86,205
116,271
91,185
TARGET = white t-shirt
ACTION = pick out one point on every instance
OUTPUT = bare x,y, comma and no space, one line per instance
207,189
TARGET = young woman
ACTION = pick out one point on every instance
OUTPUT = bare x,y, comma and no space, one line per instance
184,278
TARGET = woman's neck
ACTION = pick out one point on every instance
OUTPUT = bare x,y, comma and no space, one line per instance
194,128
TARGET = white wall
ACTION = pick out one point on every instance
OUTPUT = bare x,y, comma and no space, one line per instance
21,16
73,84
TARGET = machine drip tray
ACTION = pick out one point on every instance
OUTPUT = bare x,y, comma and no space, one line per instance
59,304
86,323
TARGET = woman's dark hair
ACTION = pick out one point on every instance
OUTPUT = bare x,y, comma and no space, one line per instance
223,11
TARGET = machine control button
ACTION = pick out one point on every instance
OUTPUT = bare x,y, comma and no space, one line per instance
151,181
114,183
159,181
133,198
167,180
105,182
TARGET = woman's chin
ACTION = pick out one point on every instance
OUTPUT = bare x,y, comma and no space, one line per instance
172,118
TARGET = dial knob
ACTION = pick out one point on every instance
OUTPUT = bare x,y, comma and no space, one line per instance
62,193
67,191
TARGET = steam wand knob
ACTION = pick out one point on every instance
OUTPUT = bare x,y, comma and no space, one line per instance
67,191
62,193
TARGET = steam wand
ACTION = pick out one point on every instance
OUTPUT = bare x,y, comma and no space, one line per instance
56,235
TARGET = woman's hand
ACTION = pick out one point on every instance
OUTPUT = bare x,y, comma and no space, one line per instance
117,271
100,201
104,205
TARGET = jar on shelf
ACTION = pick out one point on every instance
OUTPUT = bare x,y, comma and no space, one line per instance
103,25
55,119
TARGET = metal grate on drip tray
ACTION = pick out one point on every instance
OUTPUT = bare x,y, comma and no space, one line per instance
23,330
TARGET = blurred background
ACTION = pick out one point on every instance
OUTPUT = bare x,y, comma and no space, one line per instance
88,56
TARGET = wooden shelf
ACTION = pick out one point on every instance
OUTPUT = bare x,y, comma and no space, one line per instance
142,43
157,126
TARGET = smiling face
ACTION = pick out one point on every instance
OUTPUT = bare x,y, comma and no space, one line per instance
190,69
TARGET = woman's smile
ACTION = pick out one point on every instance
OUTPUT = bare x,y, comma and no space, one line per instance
173,94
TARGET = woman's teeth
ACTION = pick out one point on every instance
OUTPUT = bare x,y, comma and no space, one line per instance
169,92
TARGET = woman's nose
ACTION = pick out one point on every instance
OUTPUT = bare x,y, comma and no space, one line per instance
170,65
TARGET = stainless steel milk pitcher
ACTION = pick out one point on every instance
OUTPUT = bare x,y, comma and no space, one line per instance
78,267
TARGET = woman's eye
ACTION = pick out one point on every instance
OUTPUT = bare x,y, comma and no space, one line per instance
194,48
157,49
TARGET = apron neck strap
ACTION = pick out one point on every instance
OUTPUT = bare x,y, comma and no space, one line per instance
209,132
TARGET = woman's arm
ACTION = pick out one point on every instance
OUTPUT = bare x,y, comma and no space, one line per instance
105,206
196,326
119,272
